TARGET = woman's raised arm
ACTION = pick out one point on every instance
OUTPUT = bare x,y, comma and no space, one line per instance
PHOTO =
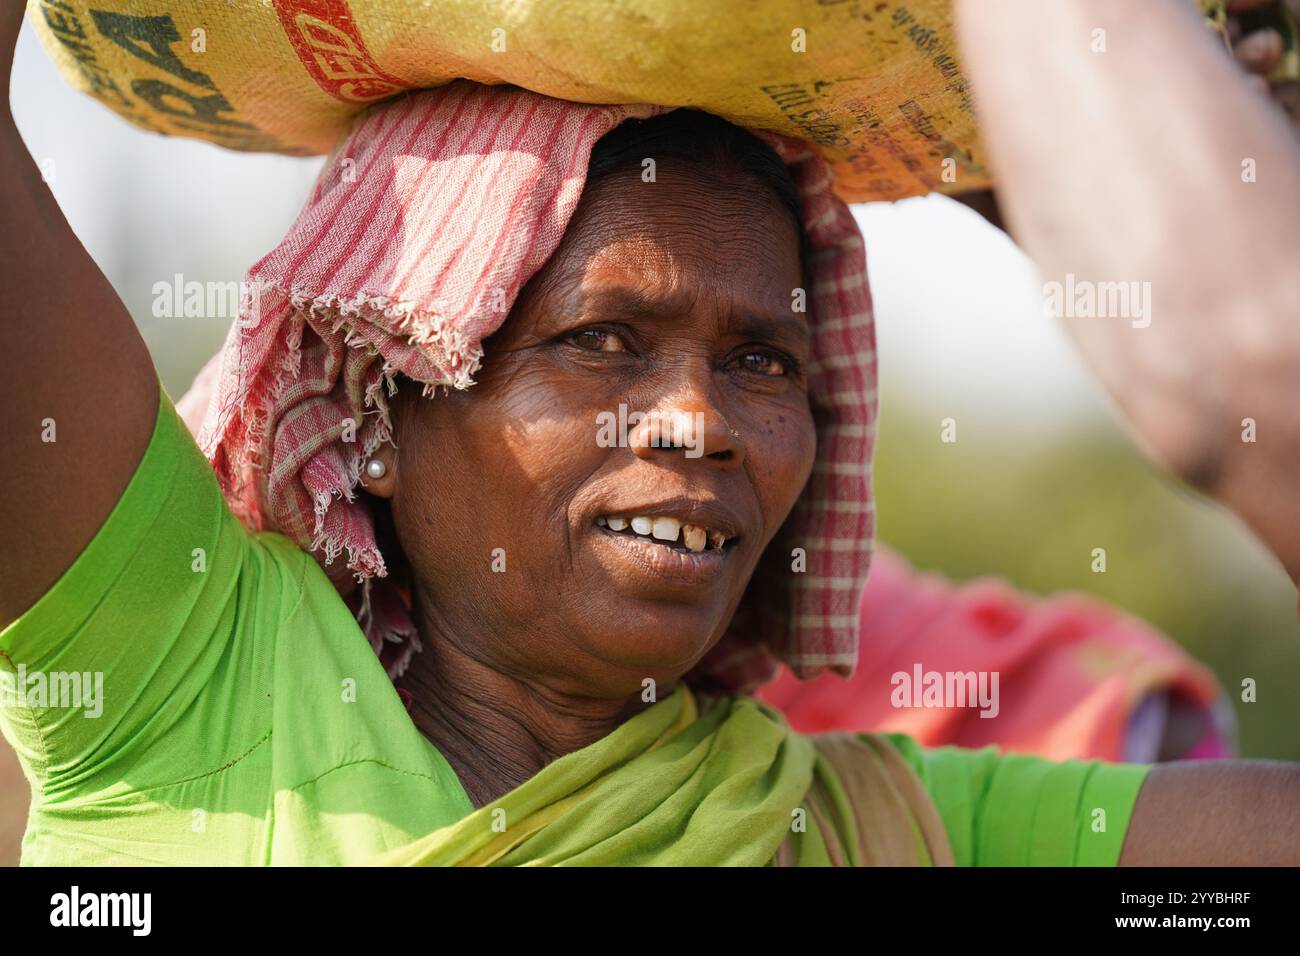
80,393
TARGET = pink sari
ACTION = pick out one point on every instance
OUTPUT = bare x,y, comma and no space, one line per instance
1076,678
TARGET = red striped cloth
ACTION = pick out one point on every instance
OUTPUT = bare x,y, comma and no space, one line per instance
424,225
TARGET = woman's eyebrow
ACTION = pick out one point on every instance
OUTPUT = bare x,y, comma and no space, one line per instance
631,302
785,328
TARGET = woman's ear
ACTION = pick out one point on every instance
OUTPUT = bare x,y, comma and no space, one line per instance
379,471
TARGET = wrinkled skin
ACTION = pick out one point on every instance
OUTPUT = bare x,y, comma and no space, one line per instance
522,666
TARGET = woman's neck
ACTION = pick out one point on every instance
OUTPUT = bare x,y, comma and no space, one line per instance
495,730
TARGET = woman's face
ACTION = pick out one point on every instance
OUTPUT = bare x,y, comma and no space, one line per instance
672,299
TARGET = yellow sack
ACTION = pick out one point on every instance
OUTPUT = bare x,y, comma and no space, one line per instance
874,83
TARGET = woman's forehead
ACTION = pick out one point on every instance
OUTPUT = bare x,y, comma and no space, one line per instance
661,276
680,231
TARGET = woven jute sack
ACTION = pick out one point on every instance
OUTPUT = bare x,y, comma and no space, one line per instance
875,84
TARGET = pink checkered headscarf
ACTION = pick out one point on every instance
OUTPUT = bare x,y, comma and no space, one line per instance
424,225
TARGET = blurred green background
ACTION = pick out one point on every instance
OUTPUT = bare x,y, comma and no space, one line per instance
1032,512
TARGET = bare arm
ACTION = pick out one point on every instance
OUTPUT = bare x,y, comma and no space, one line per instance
1216,813
71,357
1127,165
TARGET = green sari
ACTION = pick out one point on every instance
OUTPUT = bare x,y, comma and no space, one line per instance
722,783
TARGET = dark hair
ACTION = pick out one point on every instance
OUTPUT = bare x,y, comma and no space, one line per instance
706,142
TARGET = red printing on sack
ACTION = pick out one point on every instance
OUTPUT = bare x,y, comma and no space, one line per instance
327,41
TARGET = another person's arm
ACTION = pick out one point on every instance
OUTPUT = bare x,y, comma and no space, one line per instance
1127,165
74,369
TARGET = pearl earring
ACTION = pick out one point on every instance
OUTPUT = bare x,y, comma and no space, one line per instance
376,468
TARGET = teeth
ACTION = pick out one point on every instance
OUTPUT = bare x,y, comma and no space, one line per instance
666,529
693,537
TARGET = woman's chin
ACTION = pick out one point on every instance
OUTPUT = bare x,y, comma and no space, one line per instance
656,610
658,640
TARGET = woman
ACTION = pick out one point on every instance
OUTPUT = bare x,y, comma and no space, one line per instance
575,686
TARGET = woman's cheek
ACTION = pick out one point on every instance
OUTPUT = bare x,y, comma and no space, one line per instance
543,447
782,459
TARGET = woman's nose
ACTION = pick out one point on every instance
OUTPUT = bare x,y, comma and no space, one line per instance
689,425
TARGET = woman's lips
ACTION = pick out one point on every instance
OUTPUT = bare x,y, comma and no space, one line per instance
645,557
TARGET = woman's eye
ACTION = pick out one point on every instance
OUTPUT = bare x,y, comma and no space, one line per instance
763,363
597,340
